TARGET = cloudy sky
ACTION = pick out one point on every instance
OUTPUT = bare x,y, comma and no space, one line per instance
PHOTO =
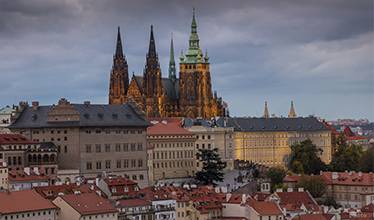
318,53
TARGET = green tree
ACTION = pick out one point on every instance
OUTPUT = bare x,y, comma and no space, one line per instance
314,184
367,161
305,159
330,201
212,170
276,175
347,156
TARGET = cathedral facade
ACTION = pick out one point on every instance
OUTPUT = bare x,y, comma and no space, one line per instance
190,95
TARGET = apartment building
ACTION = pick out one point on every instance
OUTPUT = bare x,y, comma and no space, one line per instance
170,149
90,138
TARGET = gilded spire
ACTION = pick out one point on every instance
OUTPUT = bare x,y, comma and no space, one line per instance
266,110
172,74
292,112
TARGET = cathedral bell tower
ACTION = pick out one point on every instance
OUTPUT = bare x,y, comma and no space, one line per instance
196,98
152,86
119,78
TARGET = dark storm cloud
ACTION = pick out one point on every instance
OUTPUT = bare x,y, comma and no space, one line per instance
314,52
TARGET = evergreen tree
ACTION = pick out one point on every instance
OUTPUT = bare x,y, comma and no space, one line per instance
305,159
347,156
314,184
276,175
367,161
212,170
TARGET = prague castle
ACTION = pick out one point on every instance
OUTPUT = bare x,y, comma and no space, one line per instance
190,95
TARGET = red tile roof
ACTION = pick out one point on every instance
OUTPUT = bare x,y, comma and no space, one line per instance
23,201
167,128
314,217
294,201
21,176
14,139
349,178
119,181
51,192
89,203
132,203
291,179
265,208
368,208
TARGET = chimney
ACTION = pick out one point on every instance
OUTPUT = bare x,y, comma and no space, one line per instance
35,105
334,175
279,190
26,170
244,198
36,170
289,190
301,189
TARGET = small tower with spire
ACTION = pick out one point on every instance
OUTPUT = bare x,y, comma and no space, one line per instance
119,76
172,69
292,112
266,110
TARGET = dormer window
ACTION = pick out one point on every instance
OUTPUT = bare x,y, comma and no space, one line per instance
115,116
128,116
126,189
100,115
86,116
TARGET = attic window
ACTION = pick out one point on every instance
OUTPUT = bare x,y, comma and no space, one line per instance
86,115
114,116
34,117
128,116
100,115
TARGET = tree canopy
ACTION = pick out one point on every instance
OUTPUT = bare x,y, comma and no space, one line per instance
347,156
305,159
276,175
314,184
212,170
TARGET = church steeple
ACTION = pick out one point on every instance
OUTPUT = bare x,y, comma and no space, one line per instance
119,79
172,70
152,71
152,45
266,110
194,37
292,112
119,51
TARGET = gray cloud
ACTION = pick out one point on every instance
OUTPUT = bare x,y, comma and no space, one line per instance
316,52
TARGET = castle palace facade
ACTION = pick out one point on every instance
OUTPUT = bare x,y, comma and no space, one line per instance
190,95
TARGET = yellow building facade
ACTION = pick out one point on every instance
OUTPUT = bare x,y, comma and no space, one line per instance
267,141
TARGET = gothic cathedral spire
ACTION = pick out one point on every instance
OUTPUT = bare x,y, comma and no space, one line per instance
119,79
292,112
152,71
266,110
172,70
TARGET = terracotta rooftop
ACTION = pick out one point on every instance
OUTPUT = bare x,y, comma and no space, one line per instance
51,192
348,178
294,200
23,201
21,176
89,203
119,181
132,203
14,139
265,208
167,128
314,217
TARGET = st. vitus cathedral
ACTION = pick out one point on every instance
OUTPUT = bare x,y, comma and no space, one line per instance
189,96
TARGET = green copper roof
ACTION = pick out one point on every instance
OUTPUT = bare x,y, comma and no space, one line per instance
194,53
